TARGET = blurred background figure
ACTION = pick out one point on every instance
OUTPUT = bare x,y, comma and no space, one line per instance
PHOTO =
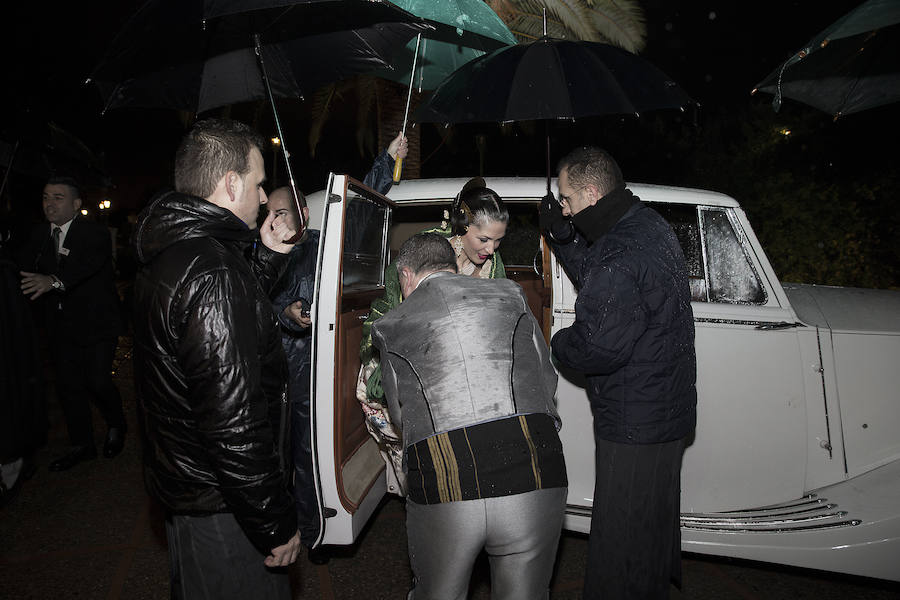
67,268
23,412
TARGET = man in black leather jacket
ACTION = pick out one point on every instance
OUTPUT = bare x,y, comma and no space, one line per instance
210,371
633,339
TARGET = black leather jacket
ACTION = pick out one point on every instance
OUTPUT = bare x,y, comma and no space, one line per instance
210,371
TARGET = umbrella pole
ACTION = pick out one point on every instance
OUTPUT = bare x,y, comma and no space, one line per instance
547,132
398,164
9,166
287,163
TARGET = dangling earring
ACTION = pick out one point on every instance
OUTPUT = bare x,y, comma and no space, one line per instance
457,245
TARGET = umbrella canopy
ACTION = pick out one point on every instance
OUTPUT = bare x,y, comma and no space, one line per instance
198,55
463,30
470,23
852,65
295,67
551,79
435,62
34,147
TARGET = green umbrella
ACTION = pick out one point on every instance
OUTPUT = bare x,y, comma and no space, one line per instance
435,61
463,30
471,23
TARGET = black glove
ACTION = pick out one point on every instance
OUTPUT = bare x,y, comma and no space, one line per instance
553,222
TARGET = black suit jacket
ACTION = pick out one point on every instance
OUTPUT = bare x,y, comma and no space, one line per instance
88,310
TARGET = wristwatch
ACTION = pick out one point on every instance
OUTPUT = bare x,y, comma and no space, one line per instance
56,284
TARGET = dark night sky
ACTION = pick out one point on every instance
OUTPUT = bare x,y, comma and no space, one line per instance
717,51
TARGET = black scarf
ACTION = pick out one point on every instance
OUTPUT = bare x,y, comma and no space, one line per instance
595,221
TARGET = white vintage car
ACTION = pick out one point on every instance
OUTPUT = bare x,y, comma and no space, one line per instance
796,455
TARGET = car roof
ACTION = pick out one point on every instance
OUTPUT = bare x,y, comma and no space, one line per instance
520,189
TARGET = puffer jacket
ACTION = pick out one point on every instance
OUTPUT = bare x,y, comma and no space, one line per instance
210,372
633,335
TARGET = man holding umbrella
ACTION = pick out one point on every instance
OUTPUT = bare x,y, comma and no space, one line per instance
633,339
210,372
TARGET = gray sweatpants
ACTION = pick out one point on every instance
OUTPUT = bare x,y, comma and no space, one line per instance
520,534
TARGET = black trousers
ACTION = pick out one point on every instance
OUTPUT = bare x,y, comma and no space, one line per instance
84,375
634,550
210,558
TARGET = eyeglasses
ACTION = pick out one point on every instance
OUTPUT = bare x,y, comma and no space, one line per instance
567,199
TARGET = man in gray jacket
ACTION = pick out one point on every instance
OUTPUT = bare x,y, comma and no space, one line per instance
467,374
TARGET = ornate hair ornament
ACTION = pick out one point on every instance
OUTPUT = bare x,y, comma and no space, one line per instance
470,218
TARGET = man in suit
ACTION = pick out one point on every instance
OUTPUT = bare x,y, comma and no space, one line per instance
467,374
67,267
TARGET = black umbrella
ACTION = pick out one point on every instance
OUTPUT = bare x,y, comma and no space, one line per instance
551,79
32,146
852,65
201,54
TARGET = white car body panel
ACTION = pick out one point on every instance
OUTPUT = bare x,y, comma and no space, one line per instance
798,409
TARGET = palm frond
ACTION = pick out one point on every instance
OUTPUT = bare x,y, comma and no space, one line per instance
567,19
617,22
621,23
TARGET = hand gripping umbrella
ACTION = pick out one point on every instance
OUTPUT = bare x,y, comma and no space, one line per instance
462,30
852,65
551,79
201,54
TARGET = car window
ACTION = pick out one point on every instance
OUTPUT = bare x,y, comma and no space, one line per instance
518,247
724,272
523,237
732,277
365,228
684,221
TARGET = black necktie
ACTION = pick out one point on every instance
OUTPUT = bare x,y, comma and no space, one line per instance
55,235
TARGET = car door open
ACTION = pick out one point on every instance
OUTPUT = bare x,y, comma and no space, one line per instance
350,272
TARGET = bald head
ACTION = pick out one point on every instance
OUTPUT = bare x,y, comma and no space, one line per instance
281,202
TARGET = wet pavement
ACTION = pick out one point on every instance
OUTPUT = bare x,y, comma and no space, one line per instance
92,532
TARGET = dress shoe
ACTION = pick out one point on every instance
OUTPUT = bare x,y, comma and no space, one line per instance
115,441
66,462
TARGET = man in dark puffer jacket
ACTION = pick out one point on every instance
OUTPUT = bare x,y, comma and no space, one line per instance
211,373
633,339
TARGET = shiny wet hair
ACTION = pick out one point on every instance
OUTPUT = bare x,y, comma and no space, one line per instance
590,165
425,253
476,204
211,149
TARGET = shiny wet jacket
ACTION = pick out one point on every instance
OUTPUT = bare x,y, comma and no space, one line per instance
210,371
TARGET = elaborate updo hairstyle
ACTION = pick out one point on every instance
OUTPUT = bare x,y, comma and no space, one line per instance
476,204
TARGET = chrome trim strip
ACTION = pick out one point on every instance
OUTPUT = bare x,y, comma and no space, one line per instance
804,514
832,525
736,322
